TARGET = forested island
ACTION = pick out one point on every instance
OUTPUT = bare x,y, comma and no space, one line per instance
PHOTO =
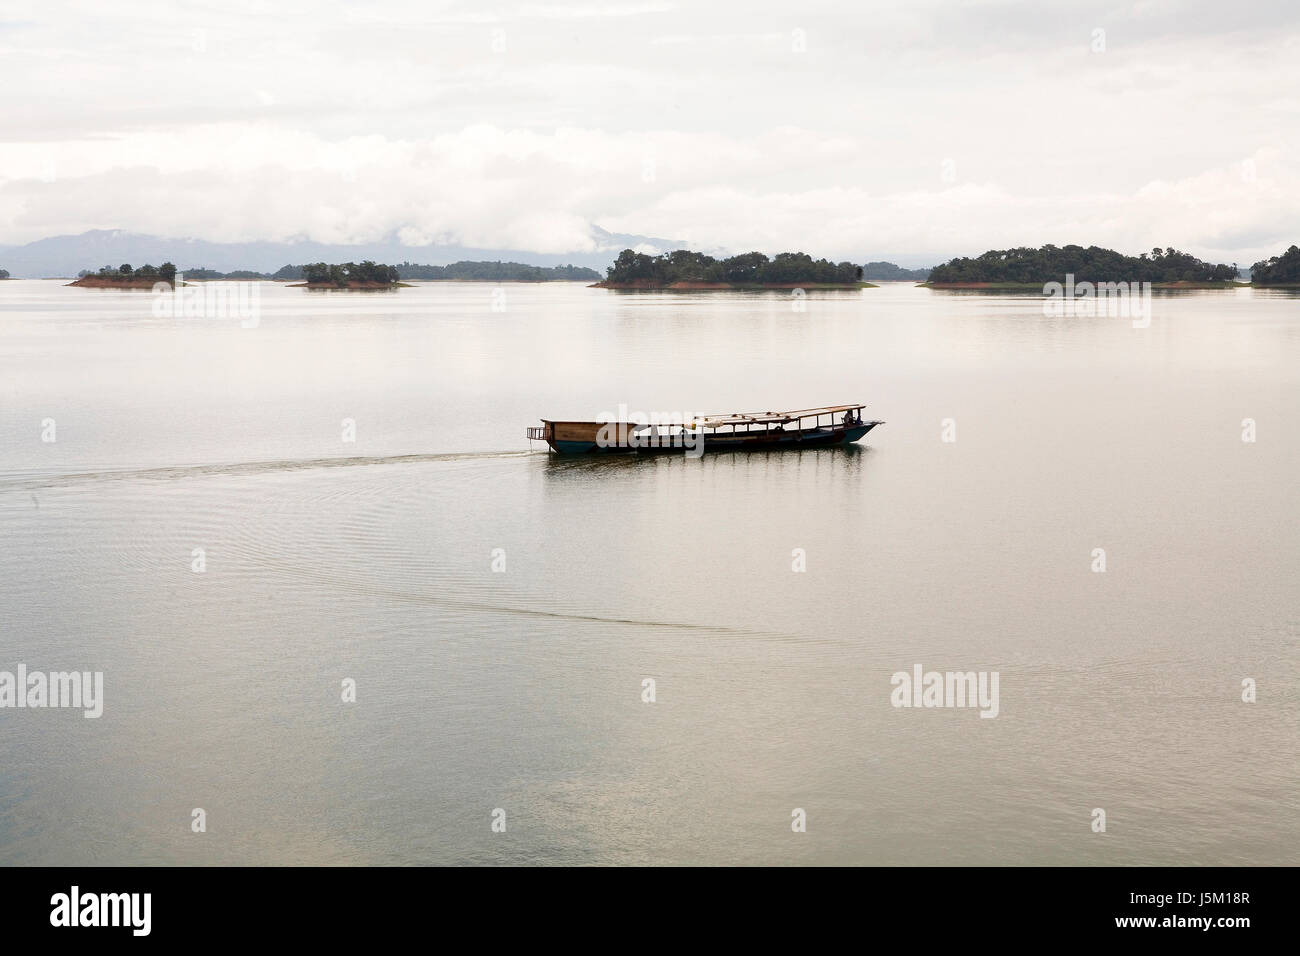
1279,272
125,277
1011,269
350,275
889,272
247,275
465,271
686,270
498,272
4,273
1026,267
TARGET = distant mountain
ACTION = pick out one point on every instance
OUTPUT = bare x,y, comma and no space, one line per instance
67,255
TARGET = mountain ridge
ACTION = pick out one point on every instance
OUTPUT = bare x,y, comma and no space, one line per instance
64,256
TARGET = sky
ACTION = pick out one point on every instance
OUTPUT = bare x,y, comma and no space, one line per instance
851,130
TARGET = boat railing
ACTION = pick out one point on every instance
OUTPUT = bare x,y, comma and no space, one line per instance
537,432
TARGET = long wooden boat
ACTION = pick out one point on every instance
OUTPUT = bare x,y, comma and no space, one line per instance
739,431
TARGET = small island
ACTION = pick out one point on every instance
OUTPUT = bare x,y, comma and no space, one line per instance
1280,272
891,272
683,270
1025,268
466,271
238,275
124,277
4,274
366,275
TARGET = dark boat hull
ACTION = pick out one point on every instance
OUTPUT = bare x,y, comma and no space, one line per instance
768,440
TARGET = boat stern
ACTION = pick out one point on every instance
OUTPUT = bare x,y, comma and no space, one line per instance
567,438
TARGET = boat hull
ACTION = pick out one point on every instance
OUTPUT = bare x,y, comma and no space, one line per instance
580,438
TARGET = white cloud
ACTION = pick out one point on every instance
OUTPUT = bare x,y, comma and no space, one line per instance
340,123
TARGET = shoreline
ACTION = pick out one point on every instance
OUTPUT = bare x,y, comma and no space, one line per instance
103,282
1038,286
350,286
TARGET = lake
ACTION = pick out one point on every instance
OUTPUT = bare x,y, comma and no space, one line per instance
231,522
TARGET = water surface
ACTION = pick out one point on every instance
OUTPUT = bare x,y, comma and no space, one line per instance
522,689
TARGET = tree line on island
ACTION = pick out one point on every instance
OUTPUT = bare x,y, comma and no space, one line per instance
147,272
463,271
1019,266
498,272
1283,270
681,266
1029,266
349,273
889,272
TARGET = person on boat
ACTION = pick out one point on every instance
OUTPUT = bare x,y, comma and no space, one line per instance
848,418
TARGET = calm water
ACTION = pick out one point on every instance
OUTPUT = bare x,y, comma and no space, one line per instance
521,690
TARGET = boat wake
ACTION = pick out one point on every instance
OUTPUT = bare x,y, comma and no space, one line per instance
452,598
238,469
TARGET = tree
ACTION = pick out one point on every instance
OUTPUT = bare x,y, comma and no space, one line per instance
744,268
1092,264
167,272
631,266
750,268
125,268
1279,270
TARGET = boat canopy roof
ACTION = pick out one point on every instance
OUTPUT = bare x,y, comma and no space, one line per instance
761,418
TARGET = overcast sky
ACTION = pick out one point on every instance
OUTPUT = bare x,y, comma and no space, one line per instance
847,129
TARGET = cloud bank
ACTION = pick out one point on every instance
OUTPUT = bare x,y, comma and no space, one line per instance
934,129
